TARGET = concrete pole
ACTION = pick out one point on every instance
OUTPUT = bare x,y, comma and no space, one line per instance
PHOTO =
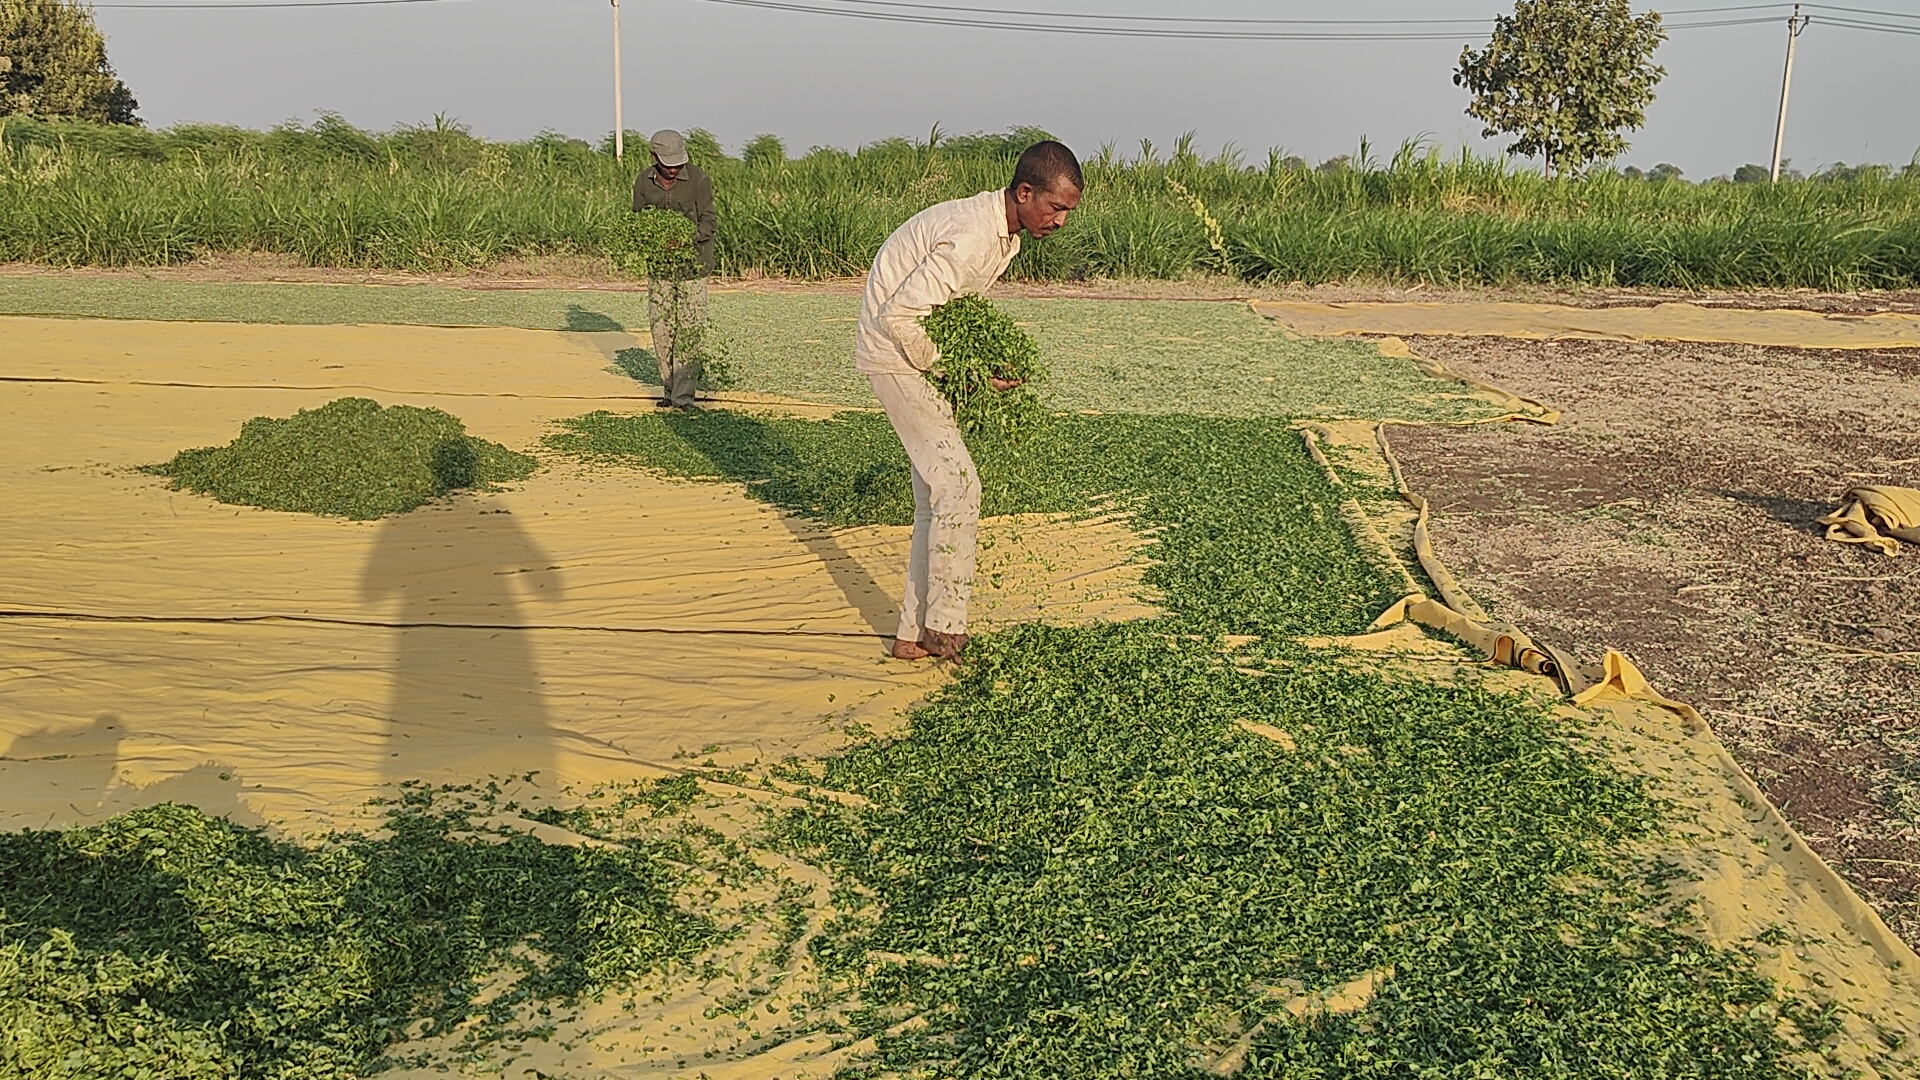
1795,24
619,119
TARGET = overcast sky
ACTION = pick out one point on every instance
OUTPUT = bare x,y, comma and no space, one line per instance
511,68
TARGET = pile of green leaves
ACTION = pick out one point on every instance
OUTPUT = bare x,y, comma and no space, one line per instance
349,458
164,943
1075,861
654,243
978,343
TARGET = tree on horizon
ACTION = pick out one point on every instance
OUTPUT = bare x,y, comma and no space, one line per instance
53,65
1565,78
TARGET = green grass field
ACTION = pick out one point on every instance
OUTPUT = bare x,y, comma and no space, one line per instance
437,198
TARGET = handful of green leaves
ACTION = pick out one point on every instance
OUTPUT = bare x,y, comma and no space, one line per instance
654,243
979,343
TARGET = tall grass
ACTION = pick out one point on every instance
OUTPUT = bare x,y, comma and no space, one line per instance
432,197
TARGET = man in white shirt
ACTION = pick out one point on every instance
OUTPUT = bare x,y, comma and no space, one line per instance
947,250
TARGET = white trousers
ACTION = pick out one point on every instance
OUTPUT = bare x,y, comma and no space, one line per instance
946,506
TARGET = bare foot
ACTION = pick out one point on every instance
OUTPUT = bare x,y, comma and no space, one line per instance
908,650
942,645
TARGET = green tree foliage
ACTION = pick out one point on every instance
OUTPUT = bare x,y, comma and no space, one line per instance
1565,78
53,65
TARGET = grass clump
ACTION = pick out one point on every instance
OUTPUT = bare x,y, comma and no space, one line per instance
349,458
979,343
166,943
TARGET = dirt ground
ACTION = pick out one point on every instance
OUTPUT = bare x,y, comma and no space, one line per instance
1671,516
584,272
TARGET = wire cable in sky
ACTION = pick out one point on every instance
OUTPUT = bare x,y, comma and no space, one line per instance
1863,11
1097,24
1089,29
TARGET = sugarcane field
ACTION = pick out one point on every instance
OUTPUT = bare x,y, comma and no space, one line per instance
999,601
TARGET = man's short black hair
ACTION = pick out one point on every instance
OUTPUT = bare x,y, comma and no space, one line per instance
1045,164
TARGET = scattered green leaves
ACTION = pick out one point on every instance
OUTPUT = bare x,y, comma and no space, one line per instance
349,458
164,943
1076,863
979,343
1247,537
654,243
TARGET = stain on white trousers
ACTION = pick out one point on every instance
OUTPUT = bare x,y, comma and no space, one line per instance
946,506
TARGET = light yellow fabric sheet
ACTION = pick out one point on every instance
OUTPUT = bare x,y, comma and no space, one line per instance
1661,322
1877,516
590,624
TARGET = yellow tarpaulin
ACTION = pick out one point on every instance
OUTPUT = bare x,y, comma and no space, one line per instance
1877,516
1662,322
591,624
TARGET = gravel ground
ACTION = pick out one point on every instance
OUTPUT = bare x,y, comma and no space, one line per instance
1671,516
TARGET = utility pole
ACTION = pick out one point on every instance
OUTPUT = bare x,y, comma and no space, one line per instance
620,122
1795,23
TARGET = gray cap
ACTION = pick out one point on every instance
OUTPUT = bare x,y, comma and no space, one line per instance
669,147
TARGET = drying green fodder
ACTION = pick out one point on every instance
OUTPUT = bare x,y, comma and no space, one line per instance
654,243
349,458
979,343
658,245
164,943
1247,534
1077,862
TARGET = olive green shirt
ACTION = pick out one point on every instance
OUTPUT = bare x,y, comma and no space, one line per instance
690,196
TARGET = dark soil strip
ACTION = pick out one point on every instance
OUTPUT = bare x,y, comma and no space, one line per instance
1671,516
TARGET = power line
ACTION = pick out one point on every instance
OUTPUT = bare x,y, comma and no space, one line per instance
1097,24
1089,27
1864,11
1849,24
1098,17
1091,30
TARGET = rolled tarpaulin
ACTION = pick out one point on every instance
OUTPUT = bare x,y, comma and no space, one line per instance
1877,516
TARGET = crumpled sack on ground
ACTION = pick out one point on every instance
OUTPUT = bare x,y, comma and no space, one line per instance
1878,516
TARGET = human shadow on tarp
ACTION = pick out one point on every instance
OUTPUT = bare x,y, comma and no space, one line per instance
77,771
814,498
466,700
623,353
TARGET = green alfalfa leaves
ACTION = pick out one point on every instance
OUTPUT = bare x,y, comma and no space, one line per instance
979,343
349,458
654,243
658,245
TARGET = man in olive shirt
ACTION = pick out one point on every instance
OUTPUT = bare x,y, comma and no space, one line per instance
677,309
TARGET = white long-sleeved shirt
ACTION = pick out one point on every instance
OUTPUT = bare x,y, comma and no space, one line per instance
947,250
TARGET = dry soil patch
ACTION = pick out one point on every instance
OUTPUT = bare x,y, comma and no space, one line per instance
1671,515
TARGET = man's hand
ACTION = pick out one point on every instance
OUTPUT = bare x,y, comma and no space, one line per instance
1004,385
